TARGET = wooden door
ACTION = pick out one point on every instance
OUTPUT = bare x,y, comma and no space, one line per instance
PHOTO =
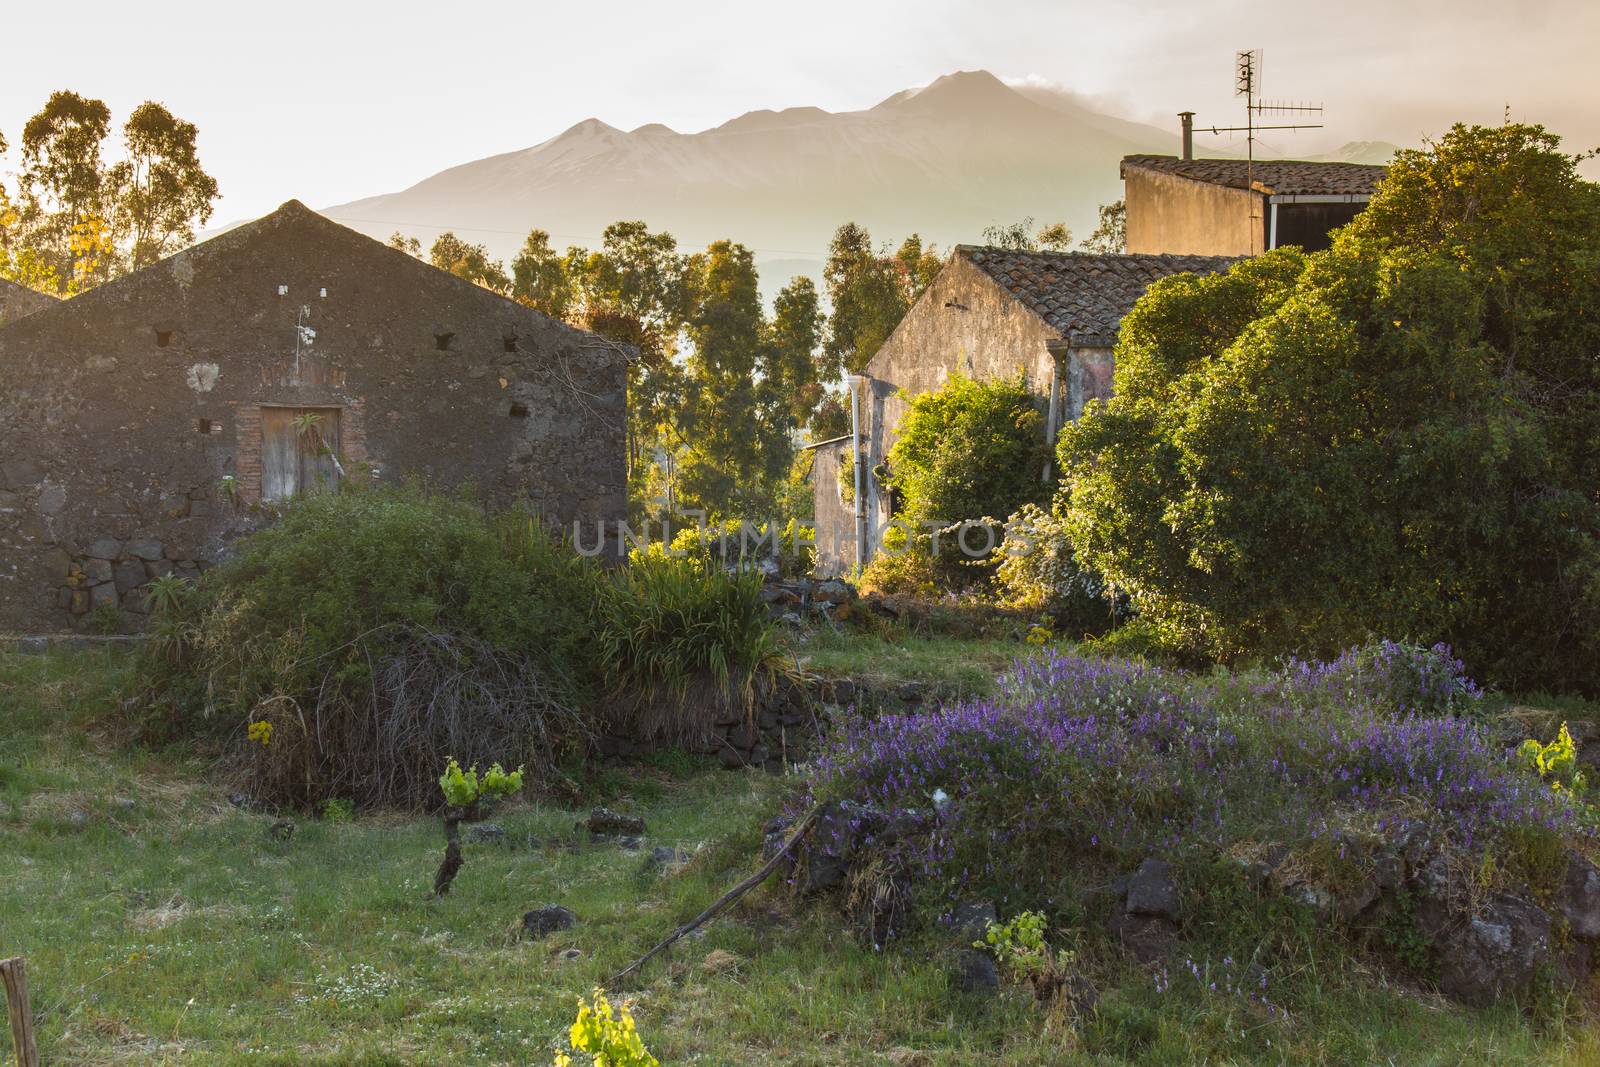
299,450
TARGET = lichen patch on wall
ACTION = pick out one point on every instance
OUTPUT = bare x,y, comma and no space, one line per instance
203,377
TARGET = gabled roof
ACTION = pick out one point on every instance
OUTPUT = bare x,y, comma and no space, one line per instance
18,300
1283,177
1082,296
321,237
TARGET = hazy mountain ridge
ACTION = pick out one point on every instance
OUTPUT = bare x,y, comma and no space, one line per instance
945,160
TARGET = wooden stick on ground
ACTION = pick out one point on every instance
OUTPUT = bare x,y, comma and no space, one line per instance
15,978
721,903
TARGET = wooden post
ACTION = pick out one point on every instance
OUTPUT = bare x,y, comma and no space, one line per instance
16,982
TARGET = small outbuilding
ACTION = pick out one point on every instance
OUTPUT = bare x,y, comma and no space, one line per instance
1235,207
148,422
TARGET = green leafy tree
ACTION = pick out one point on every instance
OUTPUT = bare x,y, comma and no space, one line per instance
1110,236
1022,237
402,243
969,450
540,279
737,418
794,339
868,299
1054,237
832,418
160,193
635,290
61,186
468,261
918,264
1394,435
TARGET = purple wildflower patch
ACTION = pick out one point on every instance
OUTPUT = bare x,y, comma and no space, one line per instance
1079,766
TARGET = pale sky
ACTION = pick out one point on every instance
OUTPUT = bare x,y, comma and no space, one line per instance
335,100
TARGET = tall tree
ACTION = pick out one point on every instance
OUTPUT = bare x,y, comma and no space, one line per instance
634,290
402,243
1110,236
868,299
832,418
160,193
1022,237
61,186
540,279
918,265
450,253
793,339
736,431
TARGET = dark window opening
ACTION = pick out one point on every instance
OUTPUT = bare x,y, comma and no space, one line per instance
205,426
511,344
163,338
441,341
519,410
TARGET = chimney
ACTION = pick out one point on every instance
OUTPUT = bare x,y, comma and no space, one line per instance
1187,118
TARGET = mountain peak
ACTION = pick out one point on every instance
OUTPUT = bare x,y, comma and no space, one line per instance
590,127
965,91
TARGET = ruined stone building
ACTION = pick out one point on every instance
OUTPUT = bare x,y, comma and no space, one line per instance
148,422
991,313
1228,207
17,301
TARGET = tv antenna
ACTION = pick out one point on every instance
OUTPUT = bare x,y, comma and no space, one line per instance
1247,83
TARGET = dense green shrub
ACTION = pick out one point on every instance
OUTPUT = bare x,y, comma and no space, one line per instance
1038,571
966,452
371,634
903,566
789,550
377,632
969,450
1391,436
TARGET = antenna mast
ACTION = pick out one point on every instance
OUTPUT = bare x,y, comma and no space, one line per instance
1247,83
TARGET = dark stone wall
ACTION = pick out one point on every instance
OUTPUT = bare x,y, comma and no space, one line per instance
17,301
130,417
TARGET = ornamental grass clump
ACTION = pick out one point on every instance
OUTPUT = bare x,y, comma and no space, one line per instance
1080,768
683,639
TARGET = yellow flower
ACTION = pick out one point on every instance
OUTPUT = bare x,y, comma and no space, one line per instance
260,732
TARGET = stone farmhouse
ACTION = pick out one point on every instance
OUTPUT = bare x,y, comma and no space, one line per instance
991,312
1053,317
150,421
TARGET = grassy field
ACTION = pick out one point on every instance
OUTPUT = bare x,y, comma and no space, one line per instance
162,924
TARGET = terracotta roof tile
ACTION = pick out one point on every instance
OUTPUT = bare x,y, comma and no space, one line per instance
1280,176
1082,296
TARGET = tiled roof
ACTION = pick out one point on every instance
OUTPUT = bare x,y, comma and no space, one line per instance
1082,296
1279,176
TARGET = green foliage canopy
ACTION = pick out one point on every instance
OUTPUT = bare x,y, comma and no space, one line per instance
1395,435
969,450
